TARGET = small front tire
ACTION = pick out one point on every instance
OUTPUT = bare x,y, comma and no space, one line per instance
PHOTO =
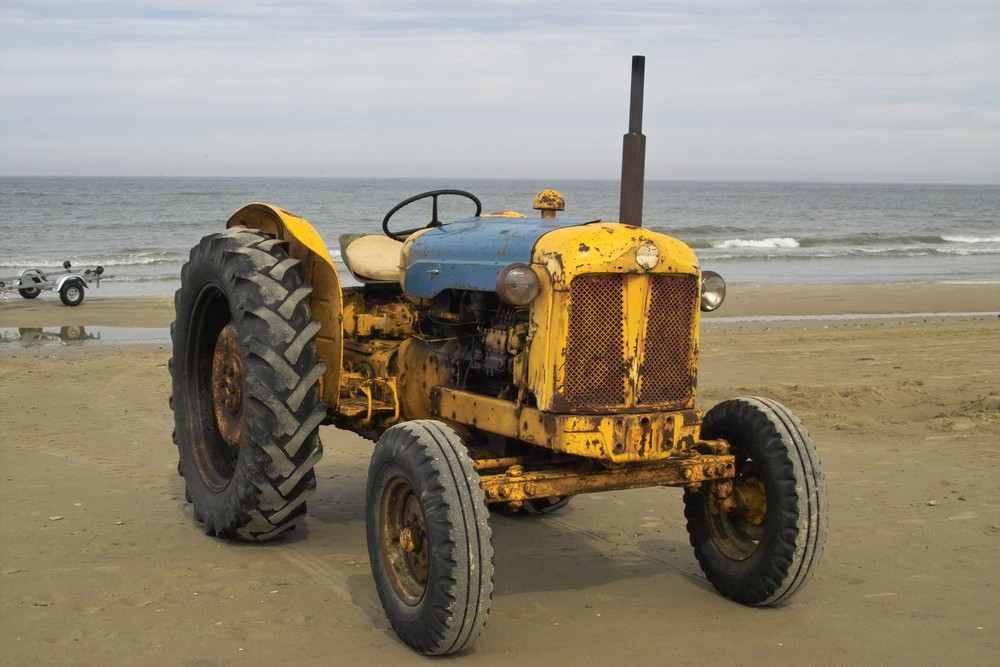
761,543
429,540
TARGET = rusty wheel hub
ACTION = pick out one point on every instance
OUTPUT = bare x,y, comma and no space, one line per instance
753,499
736,512
227,387
404,541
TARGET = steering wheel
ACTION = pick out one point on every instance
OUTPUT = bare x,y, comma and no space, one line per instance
401,236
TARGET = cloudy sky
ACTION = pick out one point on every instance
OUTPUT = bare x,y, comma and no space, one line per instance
886,91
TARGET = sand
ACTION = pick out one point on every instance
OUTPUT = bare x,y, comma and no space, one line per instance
102,563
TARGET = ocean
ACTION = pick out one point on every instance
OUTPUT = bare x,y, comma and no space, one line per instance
141,229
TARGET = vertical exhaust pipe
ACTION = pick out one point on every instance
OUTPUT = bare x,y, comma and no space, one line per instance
634,151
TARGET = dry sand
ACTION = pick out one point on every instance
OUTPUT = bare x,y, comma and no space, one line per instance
101,562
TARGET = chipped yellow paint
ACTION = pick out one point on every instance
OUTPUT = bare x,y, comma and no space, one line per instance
608,247
599,248
548,202
517,484
616,439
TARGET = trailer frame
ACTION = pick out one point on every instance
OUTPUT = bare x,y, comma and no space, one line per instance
69,283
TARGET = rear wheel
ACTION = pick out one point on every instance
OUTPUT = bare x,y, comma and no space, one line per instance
760,543
71,293
245,394
429,538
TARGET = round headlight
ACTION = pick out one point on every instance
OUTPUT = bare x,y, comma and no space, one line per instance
647,256
517,284
713,290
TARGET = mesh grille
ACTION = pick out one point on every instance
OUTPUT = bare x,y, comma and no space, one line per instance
595,353
667,365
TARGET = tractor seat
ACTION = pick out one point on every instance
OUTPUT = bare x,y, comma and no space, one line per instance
371,257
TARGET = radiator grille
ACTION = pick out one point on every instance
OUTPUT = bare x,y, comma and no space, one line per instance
667,371
597,362
595,353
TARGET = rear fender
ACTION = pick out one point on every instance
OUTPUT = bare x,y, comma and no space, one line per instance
305,244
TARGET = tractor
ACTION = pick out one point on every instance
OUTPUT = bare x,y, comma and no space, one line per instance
497,361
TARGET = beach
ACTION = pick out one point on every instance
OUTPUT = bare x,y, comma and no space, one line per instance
102,563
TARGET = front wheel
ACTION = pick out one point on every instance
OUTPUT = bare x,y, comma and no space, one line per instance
759,541
428,537
29,292
245,385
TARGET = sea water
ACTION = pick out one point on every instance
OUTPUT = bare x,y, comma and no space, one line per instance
141,229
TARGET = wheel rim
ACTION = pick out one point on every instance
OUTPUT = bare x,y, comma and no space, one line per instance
737,526
219,393
72,293
403,541
227,387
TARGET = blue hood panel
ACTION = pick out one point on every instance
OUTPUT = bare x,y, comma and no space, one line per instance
468,254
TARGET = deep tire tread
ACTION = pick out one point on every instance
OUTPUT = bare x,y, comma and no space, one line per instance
282,409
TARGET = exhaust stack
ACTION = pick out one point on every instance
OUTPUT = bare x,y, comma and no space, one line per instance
634,151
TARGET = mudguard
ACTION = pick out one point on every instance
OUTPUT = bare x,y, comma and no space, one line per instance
326,303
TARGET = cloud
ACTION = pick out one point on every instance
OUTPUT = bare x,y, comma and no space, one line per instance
499,88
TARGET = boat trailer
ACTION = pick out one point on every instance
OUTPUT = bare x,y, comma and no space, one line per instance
70,283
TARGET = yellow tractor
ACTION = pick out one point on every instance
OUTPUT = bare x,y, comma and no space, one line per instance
497,361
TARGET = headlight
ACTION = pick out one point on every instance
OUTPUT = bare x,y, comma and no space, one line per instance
647,256
517,284
713,290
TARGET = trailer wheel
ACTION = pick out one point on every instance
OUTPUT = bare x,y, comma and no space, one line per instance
71,293
429,537
245,395
29,292
760,545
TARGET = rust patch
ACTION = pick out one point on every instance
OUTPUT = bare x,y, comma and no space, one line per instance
227,387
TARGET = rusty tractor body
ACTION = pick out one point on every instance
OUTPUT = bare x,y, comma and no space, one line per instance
497,361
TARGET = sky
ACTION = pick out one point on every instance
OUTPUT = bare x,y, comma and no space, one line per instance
773,90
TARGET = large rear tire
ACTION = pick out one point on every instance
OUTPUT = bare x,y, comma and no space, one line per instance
429,537
762,544
245,394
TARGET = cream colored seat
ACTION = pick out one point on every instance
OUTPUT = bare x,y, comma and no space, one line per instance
371,257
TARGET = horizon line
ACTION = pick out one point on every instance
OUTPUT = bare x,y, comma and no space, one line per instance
502,178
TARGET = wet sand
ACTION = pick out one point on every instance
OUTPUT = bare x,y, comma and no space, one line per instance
102,563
